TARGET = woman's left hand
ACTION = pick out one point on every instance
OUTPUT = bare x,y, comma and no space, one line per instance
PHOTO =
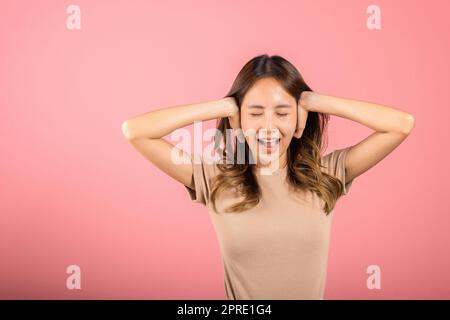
302,114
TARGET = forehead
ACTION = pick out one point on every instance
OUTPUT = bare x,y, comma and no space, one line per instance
267,92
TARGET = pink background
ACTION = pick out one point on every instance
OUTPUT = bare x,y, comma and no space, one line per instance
73,191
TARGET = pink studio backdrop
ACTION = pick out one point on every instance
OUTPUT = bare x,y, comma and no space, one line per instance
73,191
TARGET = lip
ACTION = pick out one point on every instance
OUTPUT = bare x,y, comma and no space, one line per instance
269,145
269,138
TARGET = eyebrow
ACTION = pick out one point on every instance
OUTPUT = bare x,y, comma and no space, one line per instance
280,106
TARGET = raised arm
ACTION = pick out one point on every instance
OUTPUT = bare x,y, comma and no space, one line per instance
146,131
392,126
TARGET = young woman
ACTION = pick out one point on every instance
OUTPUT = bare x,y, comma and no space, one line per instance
273,226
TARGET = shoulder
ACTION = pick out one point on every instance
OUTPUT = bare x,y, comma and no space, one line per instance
203,170
205,165
334,160
333,163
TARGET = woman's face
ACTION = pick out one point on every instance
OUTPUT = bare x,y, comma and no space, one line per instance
270,112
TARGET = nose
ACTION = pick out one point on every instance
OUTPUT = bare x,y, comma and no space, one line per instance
269,124
270,127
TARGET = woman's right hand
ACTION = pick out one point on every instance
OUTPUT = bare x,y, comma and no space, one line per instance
234,118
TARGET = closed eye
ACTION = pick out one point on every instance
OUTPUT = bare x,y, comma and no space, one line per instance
279,114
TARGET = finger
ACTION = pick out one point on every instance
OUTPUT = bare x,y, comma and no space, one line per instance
298,118
231,122
298,134
303,117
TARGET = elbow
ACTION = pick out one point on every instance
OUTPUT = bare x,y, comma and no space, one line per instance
409,124
126,130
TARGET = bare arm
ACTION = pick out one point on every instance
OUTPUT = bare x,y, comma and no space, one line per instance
146,131
392,126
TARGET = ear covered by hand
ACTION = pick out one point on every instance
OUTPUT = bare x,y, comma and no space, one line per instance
302,114
235,122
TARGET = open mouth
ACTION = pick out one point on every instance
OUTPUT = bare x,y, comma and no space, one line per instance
269,142
269,145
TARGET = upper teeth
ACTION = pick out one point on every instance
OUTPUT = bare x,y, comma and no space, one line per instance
266,141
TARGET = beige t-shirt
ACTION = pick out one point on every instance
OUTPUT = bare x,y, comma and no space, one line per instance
279,248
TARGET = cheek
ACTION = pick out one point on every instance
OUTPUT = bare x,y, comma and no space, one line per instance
288,126
247,122
248,125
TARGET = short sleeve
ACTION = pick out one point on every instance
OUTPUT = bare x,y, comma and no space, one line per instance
202,171
334,163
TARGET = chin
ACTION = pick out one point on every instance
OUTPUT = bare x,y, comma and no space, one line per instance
266,159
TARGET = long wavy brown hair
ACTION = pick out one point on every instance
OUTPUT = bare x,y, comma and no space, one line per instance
303,154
